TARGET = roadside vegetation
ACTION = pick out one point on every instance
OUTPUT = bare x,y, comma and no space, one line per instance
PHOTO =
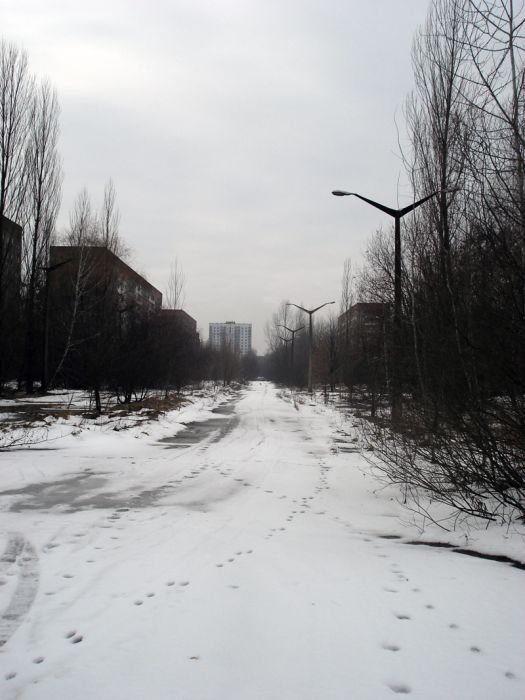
459,354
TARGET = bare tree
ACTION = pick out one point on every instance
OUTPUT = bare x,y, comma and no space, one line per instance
175,295
15,101
347,298
463,441
82,227
42,204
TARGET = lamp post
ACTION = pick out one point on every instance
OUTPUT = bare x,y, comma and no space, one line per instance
397,215
293,332
310,313
285,340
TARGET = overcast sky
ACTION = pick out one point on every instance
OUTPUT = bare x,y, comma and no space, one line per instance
225,124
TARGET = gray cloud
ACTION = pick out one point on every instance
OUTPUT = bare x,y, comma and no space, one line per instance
224,126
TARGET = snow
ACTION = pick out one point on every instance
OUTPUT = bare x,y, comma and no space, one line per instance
254,561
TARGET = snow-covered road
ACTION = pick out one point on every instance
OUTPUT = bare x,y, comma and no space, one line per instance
253,556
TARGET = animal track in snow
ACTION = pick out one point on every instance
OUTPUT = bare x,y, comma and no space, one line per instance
400,688
390,647
453,626
390,590
9,676
138,602
170,583
510,675
402,616
475,649
77,639
38,660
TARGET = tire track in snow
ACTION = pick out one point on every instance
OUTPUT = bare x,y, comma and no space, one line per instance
14,546
18,551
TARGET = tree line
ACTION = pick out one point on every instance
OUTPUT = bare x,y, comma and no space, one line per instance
67,322
460,352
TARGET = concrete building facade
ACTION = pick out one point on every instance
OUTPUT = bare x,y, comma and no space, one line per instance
236,336
99,272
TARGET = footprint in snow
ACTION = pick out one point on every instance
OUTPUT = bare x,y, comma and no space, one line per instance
510,675
77,639
475,650
402,616
390,647
170,583
390,590
138,602
400,688
38,660
9,676
430,607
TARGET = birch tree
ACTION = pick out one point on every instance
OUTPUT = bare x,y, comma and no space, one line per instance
41,209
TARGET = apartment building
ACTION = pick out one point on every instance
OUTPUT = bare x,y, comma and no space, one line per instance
99,274
236,336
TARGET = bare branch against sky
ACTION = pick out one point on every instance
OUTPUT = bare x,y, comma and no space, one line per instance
224,126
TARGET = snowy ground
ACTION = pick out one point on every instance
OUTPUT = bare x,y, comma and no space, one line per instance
251,556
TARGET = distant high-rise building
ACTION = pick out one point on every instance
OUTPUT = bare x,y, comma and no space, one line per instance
236,336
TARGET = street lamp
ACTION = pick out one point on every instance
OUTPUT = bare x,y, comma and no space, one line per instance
397,214
293,332
310,313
